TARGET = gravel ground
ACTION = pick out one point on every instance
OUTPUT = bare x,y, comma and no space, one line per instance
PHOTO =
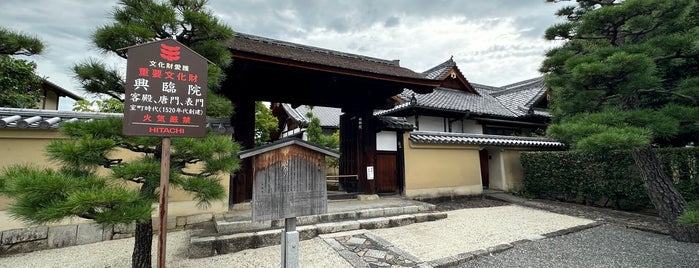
464,230
603,246
473,223
478,228
117,253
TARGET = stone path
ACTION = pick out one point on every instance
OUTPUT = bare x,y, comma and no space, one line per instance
368,250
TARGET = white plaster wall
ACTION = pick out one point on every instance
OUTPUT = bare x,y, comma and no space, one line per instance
386,141
466,126
496,170
456,126
471,126
431,123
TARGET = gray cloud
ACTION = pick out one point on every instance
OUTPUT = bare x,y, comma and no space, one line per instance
404,30
391,22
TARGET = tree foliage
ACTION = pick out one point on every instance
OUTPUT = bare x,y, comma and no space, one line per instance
138,21
77,189
626,78
636,62
16,43
19,83
315,135
265,123
109,105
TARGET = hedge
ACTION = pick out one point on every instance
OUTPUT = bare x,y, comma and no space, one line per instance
605,179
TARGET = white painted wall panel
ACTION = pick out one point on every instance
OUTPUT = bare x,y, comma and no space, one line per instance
386,141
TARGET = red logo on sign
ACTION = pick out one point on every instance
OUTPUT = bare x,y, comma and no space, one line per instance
169,53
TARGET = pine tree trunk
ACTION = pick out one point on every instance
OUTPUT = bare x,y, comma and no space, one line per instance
665,197
141,257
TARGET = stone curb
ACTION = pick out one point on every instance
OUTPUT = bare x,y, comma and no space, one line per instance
573,229
23,240
201,247
246,226
458,259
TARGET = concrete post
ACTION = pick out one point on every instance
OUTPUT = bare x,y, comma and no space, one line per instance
290,244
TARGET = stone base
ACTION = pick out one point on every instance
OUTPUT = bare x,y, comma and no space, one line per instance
367,197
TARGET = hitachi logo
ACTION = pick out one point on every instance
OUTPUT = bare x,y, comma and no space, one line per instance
167,130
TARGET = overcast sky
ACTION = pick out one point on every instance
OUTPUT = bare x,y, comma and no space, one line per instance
494,42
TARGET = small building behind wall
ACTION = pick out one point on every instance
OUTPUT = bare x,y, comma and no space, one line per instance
469,136
450,164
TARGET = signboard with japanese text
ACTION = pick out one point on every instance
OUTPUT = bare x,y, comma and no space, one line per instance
165,91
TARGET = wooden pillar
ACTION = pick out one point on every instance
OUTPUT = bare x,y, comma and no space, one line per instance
243,122
348,150
367,152
400,162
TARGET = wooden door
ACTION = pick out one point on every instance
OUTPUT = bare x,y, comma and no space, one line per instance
485,174
385,172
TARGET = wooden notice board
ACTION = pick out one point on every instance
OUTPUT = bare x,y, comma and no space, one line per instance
166,85
288,179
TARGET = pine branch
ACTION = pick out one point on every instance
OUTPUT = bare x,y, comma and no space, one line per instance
676,55
659,90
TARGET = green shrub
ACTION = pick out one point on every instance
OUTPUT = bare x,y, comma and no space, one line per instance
608,178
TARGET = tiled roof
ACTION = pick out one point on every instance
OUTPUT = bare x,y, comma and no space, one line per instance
51,119
329,117
520,97
62,91
489,89
481,139
452,100
394,123
314,55
514,100
439,70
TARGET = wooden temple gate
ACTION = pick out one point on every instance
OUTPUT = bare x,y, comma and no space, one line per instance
276,71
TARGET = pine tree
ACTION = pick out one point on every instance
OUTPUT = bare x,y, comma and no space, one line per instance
18,80
140,21
43,195
76,190
627,77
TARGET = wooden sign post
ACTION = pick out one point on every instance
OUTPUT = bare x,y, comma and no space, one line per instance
288,181
165,96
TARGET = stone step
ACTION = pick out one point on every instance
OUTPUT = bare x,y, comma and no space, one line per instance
225,226
207,246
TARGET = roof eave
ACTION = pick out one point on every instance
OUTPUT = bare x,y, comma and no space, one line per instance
420,85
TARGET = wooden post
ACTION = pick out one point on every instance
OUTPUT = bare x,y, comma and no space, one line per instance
368,152
162,215
244,124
